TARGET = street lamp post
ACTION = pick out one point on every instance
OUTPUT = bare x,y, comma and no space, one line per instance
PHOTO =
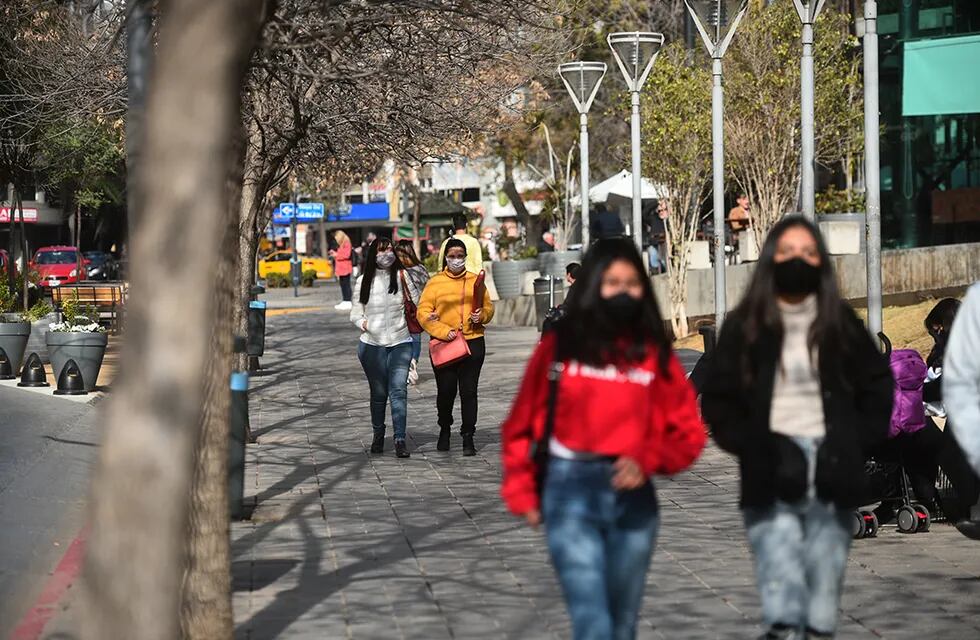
635,53
582,80
716,21
808,11
872,176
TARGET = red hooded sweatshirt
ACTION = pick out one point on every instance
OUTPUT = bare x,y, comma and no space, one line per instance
633,411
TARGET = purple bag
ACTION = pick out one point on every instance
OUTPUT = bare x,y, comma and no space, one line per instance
909,371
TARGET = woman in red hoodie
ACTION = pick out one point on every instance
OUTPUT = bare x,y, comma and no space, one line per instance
604,405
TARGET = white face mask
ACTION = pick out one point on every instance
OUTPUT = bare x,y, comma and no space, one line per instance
386,259
456,265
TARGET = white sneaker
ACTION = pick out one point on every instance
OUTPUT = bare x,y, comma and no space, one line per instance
346,305
413,373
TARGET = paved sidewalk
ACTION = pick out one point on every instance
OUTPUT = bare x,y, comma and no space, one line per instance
343,544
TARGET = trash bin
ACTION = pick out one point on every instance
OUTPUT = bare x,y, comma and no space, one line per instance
548,293
256,328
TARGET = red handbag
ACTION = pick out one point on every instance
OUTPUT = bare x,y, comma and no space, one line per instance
411,310
445,353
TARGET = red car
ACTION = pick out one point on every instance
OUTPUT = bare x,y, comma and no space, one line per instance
4,261
57,266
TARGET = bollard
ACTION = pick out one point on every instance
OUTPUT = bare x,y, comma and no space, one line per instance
236,442
70,382
708,335
6,368
33,373
256,333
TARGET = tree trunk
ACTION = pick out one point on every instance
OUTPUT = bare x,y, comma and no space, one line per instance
206,596
135,558
11,240
24,251
247,241
523,215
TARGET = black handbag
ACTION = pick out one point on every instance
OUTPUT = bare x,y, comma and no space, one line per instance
539,452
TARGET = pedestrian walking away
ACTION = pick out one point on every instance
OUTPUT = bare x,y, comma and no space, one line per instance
961,388
414,278
344,267
447,309
603,406
385,348
800,393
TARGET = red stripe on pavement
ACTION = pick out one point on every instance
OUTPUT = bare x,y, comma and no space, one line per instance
32,624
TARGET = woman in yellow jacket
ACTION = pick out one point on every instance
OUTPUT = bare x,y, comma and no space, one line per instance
446,308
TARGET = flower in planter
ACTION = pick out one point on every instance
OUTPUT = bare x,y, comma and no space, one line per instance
65,327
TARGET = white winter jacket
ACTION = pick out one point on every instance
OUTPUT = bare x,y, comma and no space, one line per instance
384,312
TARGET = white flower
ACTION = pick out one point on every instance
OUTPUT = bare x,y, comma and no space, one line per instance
64,327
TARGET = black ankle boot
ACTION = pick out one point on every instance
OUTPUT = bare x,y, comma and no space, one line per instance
443,444
469,449
401,450
378,444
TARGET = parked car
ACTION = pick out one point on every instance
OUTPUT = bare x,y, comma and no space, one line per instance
102,266
57,266
4,261
278,262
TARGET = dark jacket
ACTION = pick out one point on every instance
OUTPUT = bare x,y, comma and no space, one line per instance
606,224
857,404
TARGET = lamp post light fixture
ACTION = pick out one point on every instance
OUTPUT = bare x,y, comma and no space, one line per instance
582,80
635,53
716,21
808,11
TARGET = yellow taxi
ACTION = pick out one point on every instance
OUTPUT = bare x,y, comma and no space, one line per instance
278,262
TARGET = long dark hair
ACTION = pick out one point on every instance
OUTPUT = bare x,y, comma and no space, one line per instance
588,334
371,268
405,248
453,242
759,309
942,315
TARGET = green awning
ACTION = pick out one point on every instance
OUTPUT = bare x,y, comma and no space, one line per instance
942,76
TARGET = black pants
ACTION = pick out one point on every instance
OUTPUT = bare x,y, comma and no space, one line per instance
464,377
345,287
931,447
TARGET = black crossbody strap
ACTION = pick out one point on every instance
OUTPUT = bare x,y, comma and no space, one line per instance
554,376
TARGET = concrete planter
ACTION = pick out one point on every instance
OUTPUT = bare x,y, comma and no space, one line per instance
553,263
13,340
508,276
86,349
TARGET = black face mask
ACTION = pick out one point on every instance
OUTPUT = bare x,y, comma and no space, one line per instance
622,308
796,277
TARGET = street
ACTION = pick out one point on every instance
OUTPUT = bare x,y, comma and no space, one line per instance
47,453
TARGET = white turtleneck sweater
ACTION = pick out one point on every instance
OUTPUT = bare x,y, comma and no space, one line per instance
797,405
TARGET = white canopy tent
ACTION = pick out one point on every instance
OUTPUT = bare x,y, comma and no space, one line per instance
621,185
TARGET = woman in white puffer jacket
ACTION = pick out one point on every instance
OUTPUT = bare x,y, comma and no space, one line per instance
385,348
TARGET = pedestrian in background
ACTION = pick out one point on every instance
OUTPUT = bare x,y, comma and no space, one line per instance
385,348
799,392
603,406
414,278
961,389
474,250
447,308
343,267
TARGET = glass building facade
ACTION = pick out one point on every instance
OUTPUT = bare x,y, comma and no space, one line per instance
930,114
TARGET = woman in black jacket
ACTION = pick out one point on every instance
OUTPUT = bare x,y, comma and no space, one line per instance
798,391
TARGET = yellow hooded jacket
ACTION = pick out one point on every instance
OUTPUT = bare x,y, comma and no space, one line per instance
451,298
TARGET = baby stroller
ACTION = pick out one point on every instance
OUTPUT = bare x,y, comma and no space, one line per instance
887,476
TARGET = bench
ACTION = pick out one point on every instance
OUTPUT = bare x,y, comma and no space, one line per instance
109,299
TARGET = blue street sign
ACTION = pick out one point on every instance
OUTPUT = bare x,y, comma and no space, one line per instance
286,212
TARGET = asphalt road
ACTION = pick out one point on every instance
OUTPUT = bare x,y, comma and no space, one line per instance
48,447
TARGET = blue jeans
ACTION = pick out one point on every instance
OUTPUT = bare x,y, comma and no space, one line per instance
800,554
387,373
416,346
600,541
